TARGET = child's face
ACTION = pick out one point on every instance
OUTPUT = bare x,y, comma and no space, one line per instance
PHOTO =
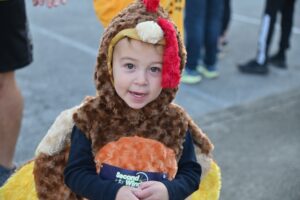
137,71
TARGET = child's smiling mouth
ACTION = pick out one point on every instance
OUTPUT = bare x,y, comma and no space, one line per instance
138,95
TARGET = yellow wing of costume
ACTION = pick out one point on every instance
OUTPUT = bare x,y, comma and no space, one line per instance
107,10
21,185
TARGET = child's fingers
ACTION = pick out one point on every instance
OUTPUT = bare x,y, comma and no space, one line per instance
152,190
146,184
145,190
134,190
144,193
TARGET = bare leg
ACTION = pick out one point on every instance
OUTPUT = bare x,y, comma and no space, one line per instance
11,107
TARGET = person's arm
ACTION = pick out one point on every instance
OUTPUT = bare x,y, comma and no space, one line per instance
187,179
80,173
49,3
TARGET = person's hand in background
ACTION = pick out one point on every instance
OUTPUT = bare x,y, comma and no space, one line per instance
49,3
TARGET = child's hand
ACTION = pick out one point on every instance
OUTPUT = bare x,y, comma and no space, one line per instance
126,193
49,3
152,190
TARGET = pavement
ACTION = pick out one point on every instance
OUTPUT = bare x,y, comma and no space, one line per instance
253,121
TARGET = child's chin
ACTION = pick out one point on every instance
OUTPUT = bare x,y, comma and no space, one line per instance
136,106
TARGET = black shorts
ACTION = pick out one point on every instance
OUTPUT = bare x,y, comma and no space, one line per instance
15,42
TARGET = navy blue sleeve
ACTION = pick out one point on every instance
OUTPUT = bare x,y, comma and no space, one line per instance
80,173
187,179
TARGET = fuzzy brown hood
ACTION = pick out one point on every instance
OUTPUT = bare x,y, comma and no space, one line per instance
107,113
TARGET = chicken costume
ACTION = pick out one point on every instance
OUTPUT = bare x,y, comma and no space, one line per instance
153,135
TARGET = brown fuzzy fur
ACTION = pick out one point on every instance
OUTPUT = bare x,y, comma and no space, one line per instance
106,117
48,176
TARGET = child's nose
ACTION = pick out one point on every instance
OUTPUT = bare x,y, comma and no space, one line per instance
141,78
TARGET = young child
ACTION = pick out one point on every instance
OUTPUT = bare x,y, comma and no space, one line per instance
136,74
130,141
130,104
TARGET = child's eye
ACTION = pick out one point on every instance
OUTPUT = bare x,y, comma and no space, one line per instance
129,65
155,69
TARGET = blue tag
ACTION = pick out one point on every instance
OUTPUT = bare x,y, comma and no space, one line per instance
130,178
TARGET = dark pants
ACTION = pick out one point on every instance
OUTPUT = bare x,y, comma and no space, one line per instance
226,17
203,19
272,7
15,41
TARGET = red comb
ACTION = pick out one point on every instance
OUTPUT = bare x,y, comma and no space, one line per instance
151,5
171,59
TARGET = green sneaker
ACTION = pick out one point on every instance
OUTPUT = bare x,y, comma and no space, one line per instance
190,77
210,74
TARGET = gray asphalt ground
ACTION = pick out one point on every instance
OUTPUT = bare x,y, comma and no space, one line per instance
254,121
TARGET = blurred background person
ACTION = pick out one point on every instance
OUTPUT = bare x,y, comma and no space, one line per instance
202,22
15,53
223,40
49,3
258,65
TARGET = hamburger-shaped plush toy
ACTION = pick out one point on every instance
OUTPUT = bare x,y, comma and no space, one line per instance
141,158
